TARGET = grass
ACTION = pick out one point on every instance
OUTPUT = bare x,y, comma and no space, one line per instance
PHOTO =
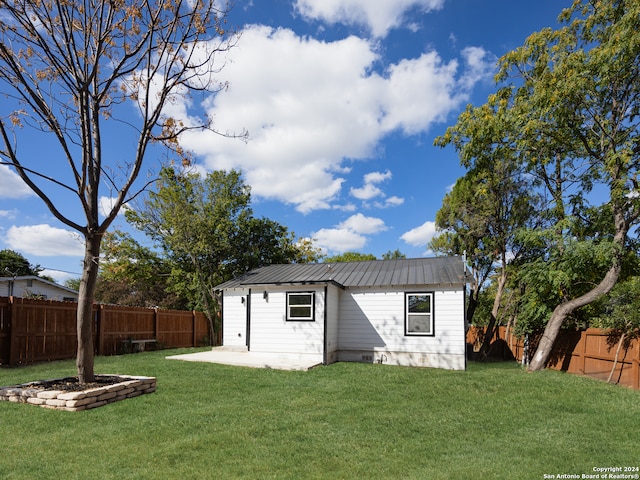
343,421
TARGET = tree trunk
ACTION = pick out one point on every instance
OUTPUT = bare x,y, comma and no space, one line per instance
562,311
615,360
488,335
471,306
84,319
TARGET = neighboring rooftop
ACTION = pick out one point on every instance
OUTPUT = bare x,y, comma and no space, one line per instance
374,273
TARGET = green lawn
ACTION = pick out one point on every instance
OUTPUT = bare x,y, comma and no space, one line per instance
344,421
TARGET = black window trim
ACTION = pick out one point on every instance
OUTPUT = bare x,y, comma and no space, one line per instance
313,307
407,333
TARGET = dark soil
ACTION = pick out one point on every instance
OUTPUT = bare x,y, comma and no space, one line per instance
71,384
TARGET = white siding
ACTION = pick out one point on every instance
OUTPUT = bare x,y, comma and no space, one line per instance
234,318
333,312
21,288
364,324
372,329
270,332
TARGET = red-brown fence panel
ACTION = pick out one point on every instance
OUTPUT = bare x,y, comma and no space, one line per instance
174,328
42,330
202,331
5,330
121,325
591,352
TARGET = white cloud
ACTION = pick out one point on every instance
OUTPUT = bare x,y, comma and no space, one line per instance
308,105
366,192
420,92
348,235
361,224
369,190
44,240
390,202
377,16
8,214
11,185
338,240
420,236
59,276
480,65
106,204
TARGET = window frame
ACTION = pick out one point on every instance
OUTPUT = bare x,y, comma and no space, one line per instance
311,306
430,315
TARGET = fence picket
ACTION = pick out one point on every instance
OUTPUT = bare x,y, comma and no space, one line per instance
584,352
42,330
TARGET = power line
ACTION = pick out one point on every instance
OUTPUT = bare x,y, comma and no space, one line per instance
58,270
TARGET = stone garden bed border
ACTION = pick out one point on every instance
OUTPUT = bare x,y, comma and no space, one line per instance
35,393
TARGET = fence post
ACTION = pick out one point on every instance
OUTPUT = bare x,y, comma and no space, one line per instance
584,336
13,348
155,323
100,330
194,324
635,366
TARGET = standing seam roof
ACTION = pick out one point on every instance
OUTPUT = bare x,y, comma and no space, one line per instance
374,273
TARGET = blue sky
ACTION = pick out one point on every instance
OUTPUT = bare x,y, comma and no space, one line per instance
342,100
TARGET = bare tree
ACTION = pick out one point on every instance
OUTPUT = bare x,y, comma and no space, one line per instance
90,75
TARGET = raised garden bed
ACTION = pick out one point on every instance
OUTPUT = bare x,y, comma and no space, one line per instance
67,394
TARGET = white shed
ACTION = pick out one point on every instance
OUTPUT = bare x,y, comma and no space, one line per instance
402,312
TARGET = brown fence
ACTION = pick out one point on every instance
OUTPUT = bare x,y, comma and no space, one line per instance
42,330
590,352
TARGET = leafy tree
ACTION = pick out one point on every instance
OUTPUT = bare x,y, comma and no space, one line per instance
571,121
68,69
134,275
350,257
13,263
621,314
395,255
208,234
487,207
73,283
578,102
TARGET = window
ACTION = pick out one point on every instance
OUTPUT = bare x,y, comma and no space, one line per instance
419,313
300,306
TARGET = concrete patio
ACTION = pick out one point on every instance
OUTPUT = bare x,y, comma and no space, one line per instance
243,358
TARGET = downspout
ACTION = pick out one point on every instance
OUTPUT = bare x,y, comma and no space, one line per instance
248,333
221,318
464,316
326,339
464,304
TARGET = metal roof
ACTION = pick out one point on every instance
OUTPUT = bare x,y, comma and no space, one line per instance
374,273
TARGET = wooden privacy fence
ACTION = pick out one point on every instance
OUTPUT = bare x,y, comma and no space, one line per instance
590,352
43,330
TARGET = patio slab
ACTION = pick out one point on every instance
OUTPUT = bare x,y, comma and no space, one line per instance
227,356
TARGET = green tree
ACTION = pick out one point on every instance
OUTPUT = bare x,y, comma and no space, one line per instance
350,257
395,255
134,275
68,70
73,283
13,263
578,101
621,314
488,206
570,104
208,234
